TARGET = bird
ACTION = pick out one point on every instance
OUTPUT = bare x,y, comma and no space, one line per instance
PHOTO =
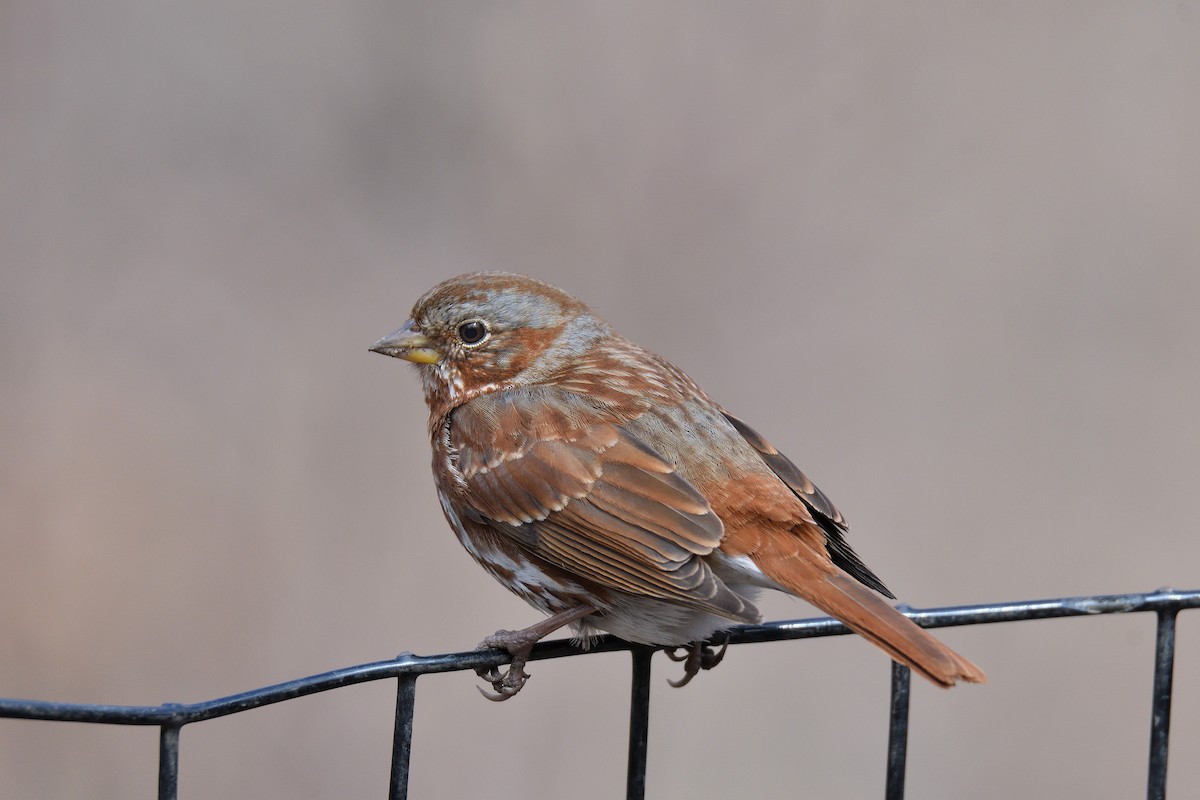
598,482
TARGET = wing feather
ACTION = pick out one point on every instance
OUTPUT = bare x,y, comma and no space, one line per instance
824,512
592,499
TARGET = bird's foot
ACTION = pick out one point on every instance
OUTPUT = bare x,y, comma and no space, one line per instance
507,682
519,644
695,657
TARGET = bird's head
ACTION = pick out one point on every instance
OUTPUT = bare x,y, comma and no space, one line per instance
490,330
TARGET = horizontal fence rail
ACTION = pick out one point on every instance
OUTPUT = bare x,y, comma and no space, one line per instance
406,668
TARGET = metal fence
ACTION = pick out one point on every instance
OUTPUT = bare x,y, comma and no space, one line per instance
405,669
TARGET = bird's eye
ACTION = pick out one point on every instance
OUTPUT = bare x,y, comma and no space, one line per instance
473,331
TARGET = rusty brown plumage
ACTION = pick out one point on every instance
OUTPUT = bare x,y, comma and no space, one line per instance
598,482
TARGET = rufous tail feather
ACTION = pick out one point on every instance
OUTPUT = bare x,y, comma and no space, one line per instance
867,614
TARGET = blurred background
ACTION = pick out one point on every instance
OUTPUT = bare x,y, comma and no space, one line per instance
946,256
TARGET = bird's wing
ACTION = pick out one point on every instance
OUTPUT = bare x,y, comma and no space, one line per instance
586,495
824,512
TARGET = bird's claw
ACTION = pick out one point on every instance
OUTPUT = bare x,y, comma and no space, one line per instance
509,681
695,657
506,683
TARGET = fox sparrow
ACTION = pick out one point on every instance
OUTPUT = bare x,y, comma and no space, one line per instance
599,483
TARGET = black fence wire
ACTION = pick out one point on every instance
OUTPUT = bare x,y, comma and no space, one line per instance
406,668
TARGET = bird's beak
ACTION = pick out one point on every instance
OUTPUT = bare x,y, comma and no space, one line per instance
409,344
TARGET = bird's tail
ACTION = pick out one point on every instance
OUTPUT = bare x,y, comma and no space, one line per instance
833,591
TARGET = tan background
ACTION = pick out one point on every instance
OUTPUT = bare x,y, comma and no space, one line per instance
947,256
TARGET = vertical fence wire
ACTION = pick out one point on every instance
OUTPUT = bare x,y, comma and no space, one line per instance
897,755
639,723
406,698
1160,707
168,762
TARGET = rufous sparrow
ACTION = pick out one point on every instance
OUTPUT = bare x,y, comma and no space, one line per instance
599,483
